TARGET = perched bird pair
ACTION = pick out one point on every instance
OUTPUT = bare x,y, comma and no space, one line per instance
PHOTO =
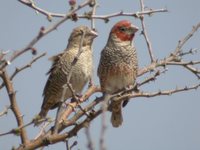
117,67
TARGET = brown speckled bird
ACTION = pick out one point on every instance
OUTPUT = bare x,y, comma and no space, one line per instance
81,71
118,65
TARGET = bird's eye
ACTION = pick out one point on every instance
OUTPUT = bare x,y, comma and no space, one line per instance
122,29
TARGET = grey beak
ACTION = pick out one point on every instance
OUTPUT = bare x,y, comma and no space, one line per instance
134,28
93,33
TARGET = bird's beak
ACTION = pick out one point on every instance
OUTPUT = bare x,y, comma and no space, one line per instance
93,33
134,28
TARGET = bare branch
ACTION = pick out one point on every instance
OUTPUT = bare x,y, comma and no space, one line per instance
49,15
152,78
144,32
159,93
102,17
18,70
16,131
193,70
47,140
72,105
186,38
89,138
103,126
191,51
95,5
173,57
14,106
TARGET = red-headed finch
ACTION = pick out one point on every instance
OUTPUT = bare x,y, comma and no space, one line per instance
118,65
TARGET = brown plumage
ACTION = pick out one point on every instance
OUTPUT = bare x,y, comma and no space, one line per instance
81,72
118,65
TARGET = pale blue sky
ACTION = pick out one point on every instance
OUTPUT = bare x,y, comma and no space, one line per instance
159,123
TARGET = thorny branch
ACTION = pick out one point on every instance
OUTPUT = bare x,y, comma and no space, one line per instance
174,57
95,5
159,93
89,138
93,16
14,106
144,32
47,138
51,139
186,38
17,70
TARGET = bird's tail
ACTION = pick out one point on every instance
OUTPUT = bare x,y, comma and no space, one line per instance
116,117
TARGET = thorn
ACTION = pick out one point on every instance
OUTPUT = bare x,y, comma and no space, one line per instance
186,88
34,51
49,18
106,20
8,62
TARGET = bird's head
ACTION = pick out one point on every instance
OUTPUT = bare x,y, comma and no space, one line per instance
124,30
82,33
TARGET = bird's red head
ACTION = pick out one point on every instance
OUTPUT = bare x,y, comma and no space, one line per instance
124,30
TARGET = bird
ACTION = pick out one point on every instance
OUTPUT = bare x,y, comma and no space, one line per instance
118,65
61,63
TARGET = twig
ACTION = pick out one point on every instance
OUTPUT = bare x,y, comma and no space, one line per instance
191,51
186,38
125,14
102,17
17,70
188,66
95,5
172,57
193,70
2,54
144,32
74,144
151,78
103,126
67,145
14,106
42,130
89,138
159,93
72,105
17,130
42,11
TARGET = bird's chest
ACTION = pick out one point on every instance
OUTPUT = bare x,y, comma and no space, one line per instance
84,65
118,77
79,69
82,70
